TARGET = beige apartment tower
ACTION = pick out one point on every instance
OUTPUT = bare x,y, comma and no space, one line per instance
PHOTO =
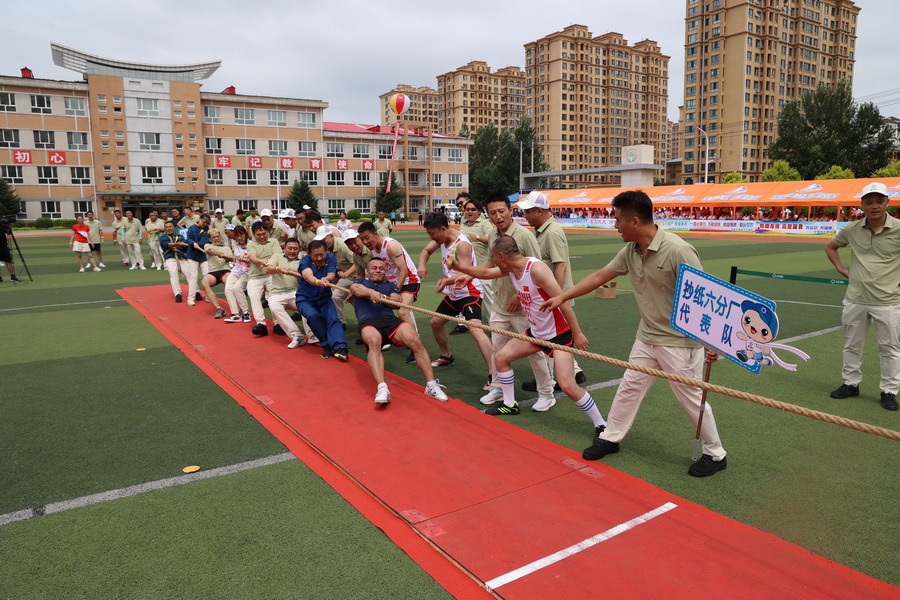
424,103
472,96
743,61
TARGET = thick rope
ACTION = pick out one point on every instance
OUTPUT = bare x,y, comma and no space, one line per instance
725,391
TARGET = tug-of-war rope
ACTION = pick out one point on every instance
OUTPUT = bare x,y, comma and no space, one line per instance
725,391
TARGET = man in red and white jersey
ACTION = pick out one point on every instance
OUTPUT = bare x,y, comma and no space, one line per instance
534,283
464,300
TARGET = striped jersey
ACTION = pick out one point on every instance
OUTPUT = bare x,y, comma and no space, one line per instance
473,289
391,269
544,325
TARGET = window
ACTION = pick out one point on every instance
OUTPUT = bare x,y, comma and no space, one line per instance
278,177
82,207
277,118
75,107
335,206
101,97
310,177
120,135
454,155
384,151
48,175
190,104
307,149
147,107
214,176
121,169
7,102
9,138
81,176
246,176
12,173
101,110
149,141
362,178
455,179
213,145
246,205
436,179
245,146
117,99
360,151
436,154
334,150
211,114
151,175
335,178
307,120
45,140
212,205
277,148
244,116
413,180
362,204
192,115
40,104
50,209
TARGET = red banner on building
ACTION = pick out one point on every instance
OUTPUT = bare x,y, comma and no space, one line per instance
55,157
342,164
22,157
223,161
287,163
254,162
315,163
368,165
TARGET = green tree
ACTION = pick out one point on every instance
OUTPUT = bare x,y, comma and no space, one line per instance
828,128
780,170
734,177
494,158
10,203
464,131
301,195
836,172
389,201
892,170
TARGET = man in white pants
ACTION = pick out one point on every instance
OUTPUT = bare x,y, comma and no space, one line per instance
173,247
259,285
154,227
283,269
118,224
133,232
197,238
873,293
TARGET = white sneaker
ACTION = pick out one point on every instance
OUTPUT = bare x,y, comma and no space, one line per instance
434,390
158,268
297,342
492,397
543,404
96,269
153,266
102,266
143,268
81,270
132,268
383,396
313,340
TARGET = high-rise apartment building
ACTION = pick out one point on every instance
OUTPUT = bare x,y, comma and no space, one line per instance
589,96
424,104
744,59
472,96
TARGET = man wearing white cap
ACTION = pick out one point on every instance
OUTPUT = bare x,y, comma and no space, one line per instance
873,293
287,219
154,226
276,232
219,222
334,243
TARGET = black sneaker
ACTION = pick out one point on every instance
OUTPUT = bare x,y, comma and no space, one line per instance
326,353
531,385
178,298
845,391
501,409
459,330
260,329
247,318
889,401
706,466
411,359
600,447
198,297
296,317
580,377
277,330
342,354
15,278
220,312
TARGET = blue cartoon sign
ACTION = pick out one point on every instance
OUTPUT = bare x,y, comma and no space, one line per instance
729,320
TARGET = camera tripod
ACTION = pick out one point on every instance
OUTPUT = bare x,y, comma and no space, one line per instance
6,230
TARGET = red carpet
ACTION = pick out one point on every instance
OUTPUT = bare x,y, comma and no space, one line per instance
489,497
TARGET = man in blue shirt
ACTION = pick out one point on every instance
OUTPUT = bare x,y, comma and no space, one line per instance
379,325
173,247
317,269
197,238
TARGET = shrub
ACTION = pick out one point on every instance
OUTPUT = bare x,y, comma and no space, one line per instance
43,223
353,215
65,223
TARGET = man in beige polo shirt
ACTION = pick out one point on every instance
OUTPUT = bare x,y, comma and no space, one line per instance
477,228
133,233
652,256
873,293
118,230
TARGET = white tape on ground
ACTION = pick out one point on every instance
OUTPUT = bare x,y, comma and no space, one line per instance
61,305
576,548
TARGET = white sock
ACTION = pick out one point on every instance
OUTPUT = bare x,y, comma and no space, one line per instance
507,381
382,386
588,406
431,383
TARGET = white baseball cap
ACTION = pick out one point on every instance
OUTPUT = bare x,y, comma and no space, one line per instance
219,210
287,213
534,200
874,188
306,207
350,234
229,227
266,212
323,231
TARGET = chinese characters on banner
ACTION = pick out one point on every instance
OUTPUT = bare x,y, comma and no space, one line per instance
368,165
223,161
254,162
22,157
55,157
342,164
315,163
728,319
287,163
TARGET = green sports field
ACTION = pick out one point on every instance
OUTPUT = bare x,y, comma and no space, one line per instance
95,399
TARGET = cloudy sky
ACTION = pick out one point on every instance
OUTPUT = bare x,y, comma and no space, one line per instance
347,52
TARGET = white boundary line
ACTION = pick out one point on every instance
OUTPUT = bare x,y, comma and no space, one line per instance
583,545
59,305
133,490
807,303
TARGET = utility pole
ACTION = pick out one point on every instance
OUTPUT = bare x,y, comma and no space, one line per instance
521,177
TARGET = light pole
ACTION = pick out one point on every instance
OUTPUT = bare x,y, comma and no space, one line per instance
706,143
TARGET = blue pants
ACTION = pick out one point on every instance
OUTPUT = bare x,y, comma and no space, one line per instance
323,320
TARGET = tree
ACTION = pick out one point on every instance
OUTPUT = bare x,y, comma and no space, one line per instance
836,172
388,201
10,203
464,131
301,195
892,170
827,128
494,158
734,177
780,170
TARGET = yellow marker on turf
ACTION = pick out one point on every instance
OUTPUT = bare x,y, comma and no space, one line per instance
191,469
140,349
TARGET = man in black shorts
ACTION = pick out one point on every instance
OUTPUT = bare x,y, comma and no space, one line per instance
378,325
6,254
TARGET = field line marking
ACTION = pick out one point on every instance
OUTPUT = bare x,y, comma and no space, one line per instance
576,548
133,490
811,334
807,303
59,305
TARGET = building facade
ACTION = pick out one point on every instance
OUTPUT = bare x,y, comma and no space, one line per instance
139,136
473,96
424,106
744,59
589,96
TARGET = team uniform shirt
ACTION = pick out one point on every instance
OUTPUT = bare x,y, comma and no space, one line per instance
366,309
248,223
284,284
236,220
278,233
154,229
554,247
544,325
653,279
384,227
412,277
238,267
343,254
81,233
361,261
171,251
216,223
473,289
503,287
200,236
305,236
216,263
132,231
95,232
313,293
482,228
263,252
875,263
117,226
187,221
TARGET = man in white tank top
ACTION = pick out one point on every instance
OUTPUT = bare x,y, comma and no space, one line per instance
464,300
534,283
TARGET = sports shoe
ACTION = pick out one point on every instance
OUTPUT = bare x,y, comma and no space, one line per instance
220,312
198,297
543,404
531,386
260,329
845,391
492,397
313,340
15,278
178,298
383,396
326,353
342,354
459,330
191,303
102,266
96,269
434,390
158,268
489,383
580,377
81,270
142,268
132,268
600,447
247,318
706,466
153,266
233,319
411,359
277,330
503,410
443,361
297,342
889,401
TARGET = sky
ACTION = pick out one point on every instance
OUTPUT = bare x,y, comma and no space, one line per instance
348,52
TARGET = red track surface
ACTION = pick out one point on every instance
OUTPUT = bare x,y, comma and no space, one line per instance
485,494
